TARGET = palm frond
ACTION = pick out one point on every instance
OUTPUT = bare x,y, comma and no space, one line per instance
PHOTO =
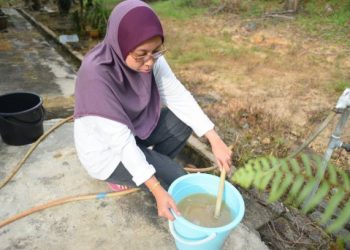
293,180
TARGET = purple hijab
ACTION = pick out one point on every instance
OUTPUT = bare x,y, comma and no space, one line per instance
106,86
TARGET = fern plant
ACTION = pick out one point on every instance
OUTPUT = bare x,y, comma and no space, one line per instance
293,179
97,16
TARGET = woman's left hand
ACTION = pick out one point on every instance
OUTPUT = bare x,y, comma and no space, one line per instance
220,150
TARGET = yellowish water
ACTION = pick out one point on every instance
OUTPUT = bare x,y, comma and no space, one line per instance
200,209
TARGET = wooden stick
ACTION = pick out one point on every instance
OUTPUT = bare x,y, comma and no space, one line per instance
220,192
193,169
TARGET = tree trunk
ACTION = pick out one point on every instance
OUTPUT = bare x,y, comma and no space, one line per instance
89,4
36,4
64,6
291,5
231,5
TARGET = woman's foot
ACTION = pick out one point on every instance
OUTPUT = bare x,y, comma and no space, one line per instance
117,187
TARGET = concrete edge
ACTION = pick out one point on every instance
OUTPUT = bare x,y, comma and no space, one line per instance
74,54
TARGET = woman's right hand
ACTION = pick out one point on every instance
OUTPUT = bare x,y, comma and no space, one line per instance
164,203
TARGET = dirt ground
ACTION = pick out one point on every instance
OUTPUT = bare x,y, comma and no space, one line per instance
266,83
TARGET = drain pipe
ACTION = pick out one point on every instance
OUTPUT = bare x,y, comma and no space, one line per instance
343,108
346,146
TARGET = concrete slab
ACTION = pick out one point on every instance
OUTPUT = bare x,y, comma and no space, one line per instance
256,215
29,63
53,171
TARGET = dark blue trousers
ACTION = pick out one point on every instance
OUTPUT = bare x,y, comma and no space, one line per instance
167,140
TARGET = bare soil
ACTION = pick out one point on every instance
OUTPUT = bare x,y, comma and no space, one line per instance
267,94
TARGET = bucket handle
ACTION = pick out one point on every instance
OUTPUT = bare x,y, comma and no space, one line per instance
187,242
24,124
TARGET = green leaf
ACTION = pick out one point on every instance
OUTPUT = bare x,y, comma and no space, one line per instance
287,175
244,176
267,175
298,183
305,192
332,206
275,186
306,162
332,175
284,165
275,163
282,189
237,175
258,173
266,179
346,238
295,166
342,219
346,181
265,163
320,171
321,193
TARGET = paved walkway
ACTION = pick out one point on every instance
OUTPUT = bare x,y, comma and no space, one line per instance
52,172
29,63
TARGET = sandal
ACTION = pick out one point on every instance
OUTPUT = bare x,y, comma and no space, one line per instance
116,187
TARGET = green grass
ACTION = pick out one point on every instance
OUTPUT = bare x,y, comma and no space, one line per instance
231,52
2,3
339,87
174,9
110,4
330,25
201,47
257,8
313,17
188,57
195,51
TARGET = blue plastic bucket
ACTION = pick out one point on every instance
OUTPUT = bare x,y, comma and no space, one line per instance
189,236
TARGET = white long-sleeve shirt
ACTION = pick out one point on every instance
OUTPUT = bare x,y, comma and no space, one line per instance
102,143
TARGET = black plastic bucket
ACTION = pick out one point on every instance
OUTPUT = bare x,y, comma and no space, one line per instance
21,118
